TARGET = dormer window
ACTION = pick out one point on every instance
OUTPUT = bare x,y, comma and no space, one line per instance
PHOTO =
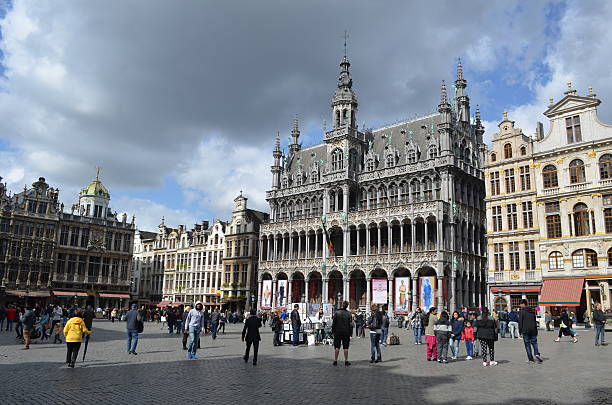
314,176
412,156
572,127
337,160
285,182
390,162
298,179
370,165
523,151
493,157
433,152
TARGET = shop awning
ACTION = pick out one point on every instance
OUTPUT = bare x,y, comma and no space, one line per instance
113,295
169,304
69,294
564,292
516,290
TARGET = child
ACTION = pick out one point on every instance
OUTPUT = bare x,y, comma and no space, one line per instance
442,331
57,330
468,337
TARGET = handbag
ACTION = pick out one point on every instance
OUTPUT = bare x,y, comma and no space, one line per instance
139,326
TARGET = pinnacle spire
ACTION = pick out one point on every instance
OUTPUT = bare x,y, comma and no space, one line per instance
443,94
459,70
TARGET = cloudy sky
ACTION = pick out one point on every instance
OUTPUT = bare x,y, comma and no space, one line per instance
179,102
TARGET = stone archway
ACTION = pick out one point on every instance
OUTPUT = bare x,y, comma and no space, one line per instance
357,289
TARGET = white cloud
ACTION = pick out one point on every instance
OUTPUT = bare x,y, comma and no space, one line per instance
149,213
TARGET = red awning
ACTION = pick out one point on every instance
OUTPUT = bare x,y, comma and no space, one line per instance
516,290
113,295
565,292
69,294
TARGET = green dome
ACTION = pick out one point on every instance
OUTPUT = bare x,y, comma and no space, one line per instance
95,189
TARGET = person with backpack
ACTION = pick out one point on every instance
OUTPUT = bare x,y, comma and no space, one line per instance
374,323
442,330
359,324
28,320
416,322
134,326
384,329
513,324
277,328
430,335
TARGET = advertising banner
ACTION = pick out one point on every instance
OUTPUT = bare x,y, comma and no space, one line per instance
379,291
266,294
281,294
402,288
427,293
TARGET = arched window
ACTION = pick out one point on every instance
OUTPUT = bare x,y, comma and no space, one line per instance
393,193
437,186
555,261
306,207
412,156
549,175
500,304
337,160
370,165
608,220
353,160
493,157
372,197
605,166
427,189
390,161
363,202
553,226
332,201
610,257
314,176
403,193
433,151
298,179
584,258
415,190
577,174
581,219
523,151
382,196
298,208
507,151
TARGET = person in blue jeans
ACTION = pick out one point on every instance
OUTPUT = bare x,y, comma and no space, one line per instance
417,326
385,329
528,327
132,318
503,323
456,331
374,323
194,323
599,318
296,324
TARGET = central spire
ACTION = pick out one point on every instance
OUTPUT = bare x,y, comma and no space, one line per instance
344,101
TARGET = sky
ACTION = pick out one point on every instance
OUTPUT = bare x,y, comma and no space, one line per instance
179,103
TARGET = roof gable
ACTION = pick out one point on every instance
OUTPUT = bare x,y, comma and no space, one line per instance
571,102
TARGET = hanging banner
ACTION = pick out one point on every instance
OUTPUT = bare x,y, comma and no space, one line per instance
402,286
281,294
266,294
379,290
427,293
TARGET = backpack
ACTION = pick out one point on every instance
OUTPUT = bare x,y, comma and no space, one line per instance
394,340
374,322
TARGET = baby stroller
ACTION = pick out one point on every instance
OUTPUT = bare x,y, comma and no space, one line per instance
328,339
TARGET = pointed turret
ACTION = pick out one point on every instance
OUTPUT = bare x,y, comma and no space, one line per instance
444,127
462,100
276,167
444,108
344,101
295,135
479,127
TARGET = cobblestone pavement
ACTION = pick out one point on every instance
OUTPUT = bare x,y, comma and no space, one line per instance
160,373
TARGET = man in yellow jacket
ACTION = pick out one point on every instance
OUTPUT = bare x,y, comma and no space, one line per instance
73,331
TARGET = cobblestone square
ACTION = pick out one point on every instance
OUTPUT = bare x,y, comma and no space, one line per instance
160,373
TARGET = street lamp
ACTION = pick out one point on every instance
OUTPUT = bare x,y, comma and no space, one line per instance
339,300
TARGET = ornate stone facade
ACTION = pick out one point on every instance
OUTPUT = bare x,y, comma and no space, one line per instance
404,200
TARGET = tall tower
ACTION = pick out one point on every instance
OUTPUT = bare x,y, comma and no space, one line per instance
445,125
94,199
276,167
462,100
344,101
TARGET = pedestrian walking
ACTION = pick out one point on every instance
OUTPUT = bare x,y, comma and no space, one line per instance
548,320
359,324
215,318
503,322
250,335
171,320
528,327
2,316
385,328
513,324
222,322
18,323
296,324
442,331
113,315
599,319
416,322
468,337
565,328
11,317
57,331
186,332
455,335
194,323
179,319
487,334
73,331
341,330
374,323
474,320
133,325
88,316
57,315
28,320
430,336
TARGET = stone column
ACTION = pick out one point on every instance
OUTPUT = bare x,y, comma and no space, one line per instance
453,291
274,303
346,234
367,240
379,244
389,237
440,297
390,298
289,292
306,288
261,250
291,247
368,293
259,294
415,292
325,292
325,252
413,247
299,246
439,241
307,255
345,200
358,241
345,288
316,252
401,237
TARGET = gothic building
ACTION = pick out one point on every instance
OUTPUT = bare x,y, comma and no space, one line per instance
393,215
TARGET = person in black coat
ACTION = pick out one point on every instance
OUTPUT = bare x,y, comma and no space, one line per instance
566,327
487,334
250,334
341,329
528,327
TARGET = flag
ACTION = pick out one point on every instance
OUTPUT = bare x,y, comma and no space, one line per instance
330,245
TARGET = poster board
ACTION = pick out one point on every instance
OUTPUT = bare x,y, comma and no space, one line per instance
427,293
328,311
402,289
266,294
379,290
281,293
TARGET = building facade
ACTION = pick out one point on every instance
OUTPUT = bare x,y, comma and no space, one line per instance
572,212
50,255
191,262
392,216
513,232
241,256
146,284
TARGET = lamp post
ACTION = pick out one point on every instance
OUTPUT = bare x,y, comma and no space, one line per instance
339,301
